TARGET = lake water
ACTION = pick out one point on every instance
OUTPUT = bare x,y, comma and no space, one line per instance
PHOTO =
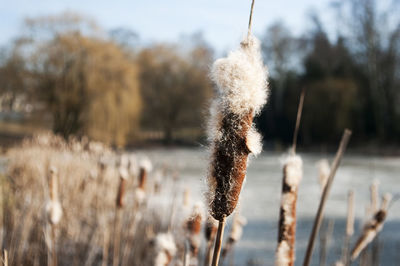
260,200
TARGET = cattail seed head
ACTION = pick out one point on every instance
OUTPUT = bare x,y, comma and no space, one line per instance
193,226
210,228
165,249
242,82
292,175
372,228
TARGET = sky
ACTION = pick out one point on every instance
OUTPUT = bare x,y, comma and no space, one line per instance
222,22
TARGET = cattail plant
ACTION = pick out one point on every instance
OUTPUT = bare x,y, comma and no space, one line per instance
325,238
374,190
210,230
164,250
320,212
123,176
241,79
292,175
372,228
5,258
349,227
235,234
53,213
193,227
145,167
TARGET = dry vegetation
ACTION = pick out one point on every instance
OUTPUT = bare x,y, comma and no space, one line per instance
93,226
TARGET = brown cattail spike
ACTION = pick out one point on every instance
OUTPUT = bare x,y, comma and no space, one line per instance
142,178
230,163
193,226
292,175
121,192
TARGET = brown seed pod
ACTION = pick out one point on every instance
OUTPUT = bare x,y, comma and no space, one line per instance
142,178
228,167
121,192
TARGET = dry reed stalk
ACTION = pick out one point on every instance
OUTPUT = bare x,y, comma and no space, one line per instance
292,175
235,234
210,231
106,239
349,227
5,258
374,190
218,241
123,175
372,228
186,255
242,82
318,218
54,214
325,238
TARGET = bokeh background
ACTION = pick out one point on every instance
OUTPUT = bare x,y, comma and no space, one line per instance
136,72
134,75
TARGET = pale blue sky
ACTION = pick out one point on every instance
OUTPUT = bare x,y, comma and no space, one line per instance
223,22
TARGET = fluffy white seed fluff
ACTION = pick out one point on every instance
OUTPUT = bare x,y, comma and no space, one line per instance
124,161
140,195
198,209
323,172
213,128
294,170
387,198
237,227
287,201
146,164
123,173
242,78
282,254
53,211
133,165
254,141
165,249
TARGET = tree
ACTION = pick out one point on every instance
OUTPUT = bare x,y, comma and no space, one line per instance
89,85
175,87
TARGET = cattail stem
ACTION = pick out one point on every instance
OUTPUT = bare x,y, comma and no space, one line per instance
208,253
117,236
218,241
106,238
325,238
298,118
372,228
349,227
54,248
250,19
5,258
325,194
186,256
